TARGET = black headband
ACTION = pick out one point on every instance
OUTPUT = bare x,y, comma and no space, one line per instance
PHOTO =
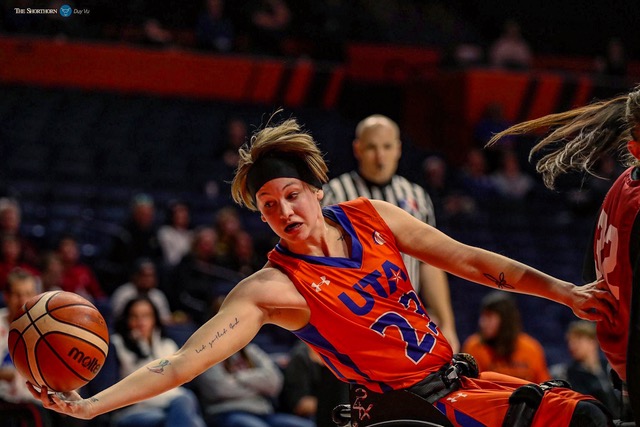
278,165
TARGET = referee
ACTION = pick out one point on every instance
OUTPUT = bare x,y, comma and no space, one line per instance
377,148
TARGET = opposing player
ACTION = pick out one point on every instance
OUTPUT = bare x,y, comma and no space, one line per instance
336,279
578,140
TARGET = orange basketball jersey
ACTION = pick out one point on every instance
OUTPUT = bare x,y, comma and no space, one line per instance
367,322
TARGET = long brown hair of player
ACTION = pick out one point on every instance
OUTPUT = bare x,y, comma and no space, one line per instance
577,139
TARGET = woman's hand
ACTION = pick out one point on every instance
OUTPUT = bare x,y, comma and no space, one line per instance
594,302
69,403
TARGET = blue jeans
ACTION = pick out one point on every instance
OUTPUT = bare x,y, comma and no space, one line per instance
247,419
183,411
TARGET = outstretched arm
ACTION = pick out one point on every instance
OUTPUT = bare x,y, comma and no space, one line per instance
255,301
591,301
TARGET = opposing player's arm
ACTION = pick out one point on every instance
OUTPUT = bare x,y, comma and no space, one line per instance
265,297
491,269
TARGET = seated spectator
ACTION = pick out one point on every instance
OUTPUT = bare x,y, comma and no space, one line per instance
199,281
76,276
501,346
17,405
52,271
138,238
10,221
509,180
240,392
510,50
614,62
587,370
139,340
236,134
175,236
227,225
268,24
214,29
244,258
448,200
310,389
144,282
10,249
475,181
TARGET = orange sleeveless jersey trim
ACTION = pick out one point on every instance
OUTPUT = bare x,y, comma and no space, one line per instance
367,322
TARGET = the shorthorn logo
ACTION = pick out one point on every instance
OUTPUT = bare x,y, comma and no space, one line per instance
65,11
87,362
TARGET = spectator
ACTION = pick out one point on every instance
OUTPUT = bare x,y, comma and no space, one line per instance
10,248
474,178
17,403
144,282
199,281
447,199
501,346
175,236
509,180
214,29
52,271
138,341
244,258
586,372
510,50
491,122
155,33
10,220
310,390
236,134
268,23
227,226
138,238
615,61
78,277
240,391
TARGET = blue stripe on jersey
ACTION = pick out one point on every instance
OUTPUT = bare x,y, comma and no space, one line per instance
311,335
465,420
336,214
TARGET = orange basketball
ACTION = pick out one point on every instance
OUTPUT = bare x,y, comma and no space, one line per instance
59,340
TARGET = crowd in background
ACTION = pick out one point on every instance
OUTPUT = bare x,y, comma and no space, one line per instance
182,270
315,29
166,268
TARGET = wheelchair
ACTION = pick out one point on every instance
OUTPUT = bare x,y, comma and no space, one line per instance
342,418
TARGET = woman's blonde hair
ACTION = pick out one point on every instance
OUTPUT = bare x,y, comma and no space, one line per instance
579,138
286,138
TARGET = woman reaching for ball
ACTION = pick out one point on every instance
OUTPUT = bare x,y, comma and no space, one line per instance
336,279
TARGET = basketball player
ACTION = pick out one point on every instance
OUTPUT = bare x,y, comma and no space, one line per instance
337,280
581,137
377,148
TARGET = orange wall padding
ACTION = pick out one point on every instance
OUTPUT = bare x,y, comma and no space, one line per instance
191,74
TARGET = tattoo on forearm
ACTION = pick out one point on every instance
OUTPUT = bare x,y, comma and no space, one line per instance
500,281
159,368
218,335
94,399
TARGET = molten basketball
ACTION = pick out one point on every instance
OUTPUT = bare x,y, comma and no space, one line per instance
59,340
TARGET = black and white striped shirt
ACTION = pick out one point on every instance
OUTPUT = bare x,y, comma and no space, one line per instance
399,191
